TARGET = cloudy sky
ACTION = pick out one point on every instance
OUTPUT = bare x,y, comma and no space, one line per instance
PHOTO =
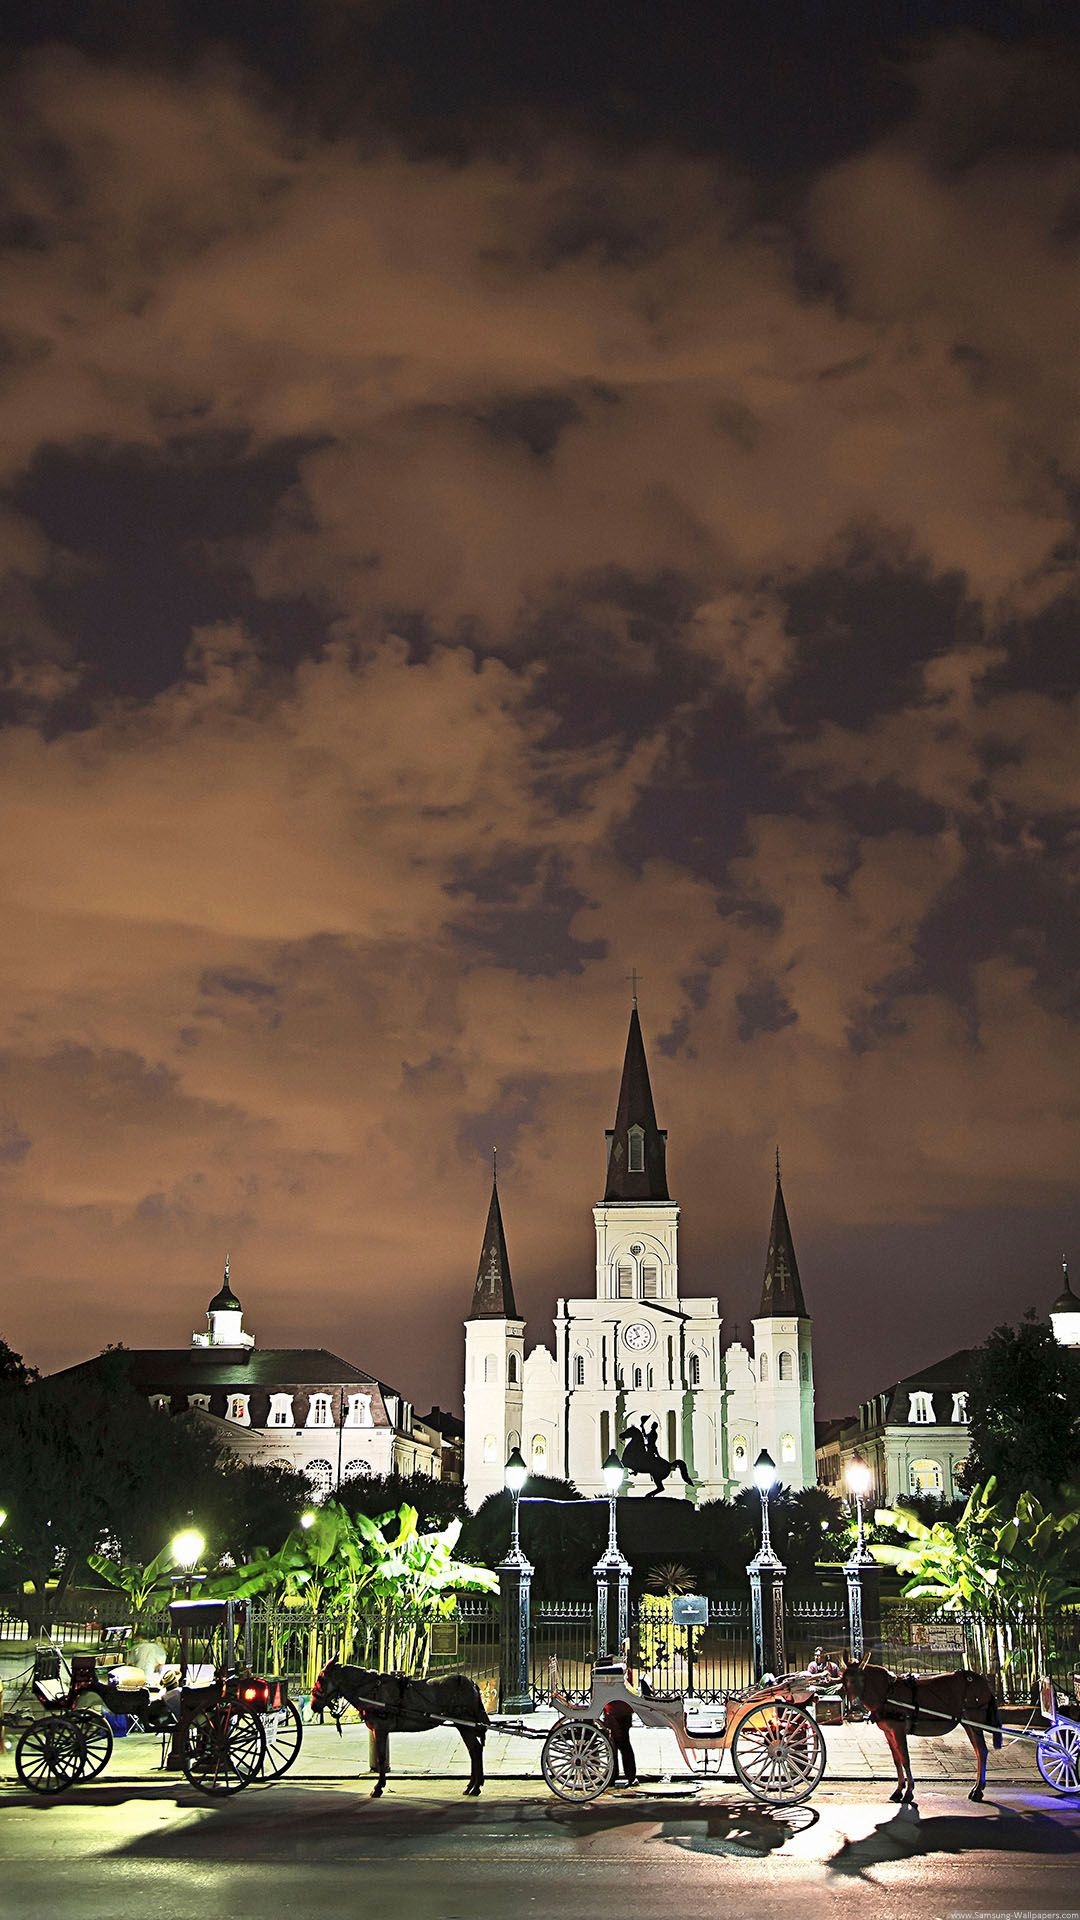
494,497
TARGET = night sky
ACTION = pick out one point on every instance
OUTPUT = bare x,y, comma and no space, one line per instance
494,493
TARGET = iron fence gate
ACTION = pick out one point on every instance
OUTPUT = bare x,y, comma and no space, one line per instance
811,1624
562,1648
713,1660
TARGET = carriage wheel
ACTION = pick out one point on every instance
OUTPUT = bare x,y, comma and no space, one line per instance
98,1735
1058,1757
577,1760
283,1731
779,1753
223,1748
51,1754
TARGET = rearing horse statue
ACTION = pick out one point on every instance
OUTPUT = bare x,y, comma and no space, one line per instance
642,1455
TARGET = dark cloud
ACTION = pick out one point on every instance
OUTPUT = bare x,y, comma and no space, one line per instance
472,526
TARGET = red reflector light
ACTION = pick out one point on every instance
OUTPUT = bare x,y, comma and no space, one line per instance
257,1693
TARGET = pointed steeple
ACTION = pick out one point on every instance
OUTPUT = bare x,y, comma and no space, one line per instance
637,1147
781,1289
493,1294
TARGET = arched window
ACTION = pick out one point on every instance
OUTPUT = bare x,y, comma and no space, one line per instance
281,1413
635,1142
319,1410
738,1454
512,1440
787,1448
763,1367
320,1477
650,1281
695,1370
625,1280
960,1412
804,1365
637,1377
925,1476
579,1369
786,1368
491,1450
281,1466
512,1369
358,1470
538,1451
237,1409
489,1366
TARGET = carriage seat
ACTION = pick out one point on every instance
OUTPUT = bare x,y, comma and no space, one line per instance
50,1692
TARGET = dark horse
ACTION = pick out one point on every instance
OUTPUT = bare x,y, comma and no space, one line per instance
642,1455
925,1704
392,1703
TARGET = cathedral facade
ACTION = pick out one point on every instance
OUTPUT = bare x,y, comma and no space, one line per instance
635,1356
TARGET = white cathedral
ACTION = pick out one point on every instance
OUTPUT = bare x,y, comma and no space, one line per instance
636,1354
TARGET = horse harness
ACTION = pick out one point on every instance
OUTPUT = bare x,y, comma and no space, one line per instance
902,1704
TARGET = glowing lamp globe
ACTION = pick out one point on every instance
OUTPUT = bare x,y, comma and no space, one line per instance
307,1519
859,1477
765,1474
515,1472
613,1471
188,1548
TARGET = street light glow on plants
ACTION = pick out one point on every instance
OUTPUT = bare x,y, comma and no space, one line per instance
188,1548
307,1518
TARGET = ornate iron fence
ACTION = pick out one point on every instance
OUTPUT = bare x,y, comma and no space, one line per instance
1015,1648
811,1624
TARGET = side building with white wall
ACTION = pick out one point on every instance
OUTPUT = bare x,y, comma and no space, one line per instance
298,1407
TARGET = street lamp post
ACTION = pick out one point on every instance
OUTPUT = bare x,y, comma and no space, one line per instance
766,1571
861,1570
187,1549
515,1586
612,1572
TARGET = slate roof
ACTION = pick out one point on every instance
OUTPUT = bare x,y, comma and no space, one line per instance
941,1380
635,1109
781,1288
493,1293
159,1369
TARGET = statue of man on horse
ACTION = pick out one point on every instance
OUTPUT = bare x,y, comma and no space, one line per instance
641,1454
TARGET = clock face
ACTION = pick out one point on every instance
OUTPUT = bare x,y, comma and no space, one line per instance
638,1336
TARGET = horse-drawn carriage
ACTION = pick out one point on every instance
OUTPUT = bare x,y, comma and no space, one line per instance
776,1745
220,1724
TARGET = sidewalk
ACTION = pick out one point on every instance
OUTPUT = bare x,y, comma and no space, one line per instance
855,1753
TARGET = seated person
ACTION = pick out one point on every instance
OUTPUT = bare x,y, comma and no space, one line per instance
822,1666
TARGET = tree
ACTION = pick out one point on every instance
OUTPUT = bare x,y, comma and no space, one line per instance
1024,1407
437,1502
14,1371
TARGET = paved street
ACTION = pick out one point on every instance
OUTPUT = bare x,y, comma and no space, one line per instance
136,1843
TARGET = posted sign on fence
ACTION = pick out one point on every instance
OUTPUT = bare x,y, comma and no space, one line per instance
690,1610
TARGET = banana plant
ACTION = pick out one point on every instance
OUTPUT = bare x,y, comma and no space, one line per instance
141,1582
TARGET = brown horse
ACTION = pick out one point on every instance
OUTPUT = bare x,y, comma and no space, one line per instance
392,1703
925,1704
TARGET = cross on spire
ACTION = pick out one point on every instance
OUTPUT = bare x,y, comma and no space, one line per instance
633,976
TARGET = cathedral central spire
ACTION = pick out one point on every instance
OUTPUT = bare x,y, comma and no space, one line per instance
781,1289
493,1294
637,1147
